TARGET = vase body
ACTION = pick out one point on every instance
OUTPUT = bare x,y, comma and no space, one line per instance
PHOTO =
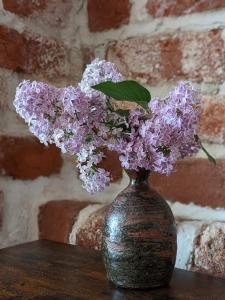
139,243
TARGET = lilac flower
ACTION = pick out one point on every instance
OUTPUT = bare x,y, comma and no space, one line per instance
96,72
94,179
81,122
157,142
39,105
72,120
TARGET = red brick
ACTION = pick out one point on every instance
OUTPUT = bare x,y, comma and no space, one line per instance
104,15
12,53
32,54
209,250
45,56
161,8
90,233
212,125
56,218
195,180
1,209
26,158
111,163
24,8
51,12
195,56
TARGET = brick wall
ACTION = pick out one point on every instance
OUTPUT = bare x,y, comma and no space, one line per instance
154,41
39,40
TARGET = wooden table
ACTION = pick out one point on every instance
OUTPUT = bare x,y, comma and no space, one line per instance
49,270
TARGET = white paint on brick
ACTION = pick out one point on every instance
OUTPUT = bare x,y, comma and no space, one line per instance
217,150
74,66
12,124
208,88
195,212
8,83
222,89
148,26
139,12
142,24
23,198
186,234
70,35
11,20
36,24
81,219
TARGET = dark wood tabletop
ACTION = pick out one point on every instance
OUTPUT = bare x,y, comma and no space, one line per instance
50,270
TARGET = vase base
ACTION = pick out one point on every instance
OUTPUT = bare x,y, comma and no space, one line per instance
139,287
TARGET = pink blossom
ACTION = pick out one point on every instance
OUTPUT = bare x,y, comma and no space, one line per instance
81,122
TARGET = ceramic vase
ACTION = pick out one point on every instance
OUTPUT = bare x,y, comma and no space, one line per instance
139,240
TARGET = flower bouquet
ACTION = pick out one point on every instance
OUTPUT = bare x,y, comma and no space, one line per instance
140,236
84,120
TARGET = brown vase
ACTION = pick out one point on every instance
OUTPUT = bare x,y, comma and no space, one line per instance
139,244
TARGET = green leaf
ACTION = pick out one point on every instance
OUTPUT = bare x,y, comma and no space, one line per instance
129,90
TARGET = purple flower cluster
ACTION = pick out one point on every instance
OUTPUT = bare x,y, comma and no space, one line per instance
78,122
96,72
157,141
82,122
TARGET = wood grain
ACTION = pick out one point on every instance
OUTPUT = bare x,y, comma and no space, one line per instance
45,270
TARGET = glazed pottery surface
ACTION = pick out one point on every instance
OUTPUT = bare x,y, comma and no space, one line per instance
139,244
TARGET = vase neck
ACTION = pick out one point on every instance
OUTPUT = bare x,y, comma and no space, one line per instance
138,177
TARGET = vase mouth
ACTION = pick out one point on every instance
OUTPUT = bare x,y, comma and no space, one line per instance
137,177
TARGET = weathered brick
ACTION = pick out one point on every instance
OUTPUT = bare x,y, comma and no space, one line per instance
161,8
149,60
209,250
51,12
195,56
104,15
203,56
46,56
56,218
24,7
212,124
90,233
32,54
1,209
26,158
195,180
